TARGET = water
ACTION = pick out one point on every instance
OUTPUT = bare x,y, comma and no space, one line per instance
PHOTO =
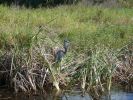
119,96
75,95
115,94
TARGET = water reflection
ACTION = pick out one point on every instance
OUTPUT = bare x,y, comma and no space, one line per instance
76,97
119,95
115,94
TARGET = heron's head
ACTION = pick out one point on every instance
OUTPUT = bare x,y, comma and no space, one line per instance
66,43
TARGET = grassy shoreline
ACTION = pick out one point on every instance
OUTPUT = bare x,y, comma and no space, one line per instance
97,38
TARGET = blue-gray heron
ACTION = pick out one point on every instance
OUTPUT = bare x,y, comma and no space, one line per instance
59,54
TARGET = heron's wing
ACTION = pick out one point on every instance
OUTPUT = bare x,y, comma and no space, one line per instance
59,55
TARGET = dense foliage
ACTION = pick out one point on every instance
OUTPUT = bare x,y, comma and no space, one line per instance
37,3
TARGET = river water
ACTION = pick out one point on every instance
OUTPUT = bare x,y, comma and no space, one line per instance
115,94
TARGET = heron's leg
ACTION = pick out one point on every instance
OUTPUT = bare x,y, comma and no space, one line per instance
60,66
57,67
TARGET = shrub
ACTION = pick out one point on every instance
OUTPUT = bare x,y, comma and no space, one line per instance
37,3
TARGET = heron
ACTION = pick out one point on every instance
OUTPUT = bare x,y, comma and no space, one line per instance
59,54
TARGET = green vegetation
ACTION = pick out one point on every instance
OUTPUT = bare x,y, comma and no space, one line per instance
96,35
96,25
126,3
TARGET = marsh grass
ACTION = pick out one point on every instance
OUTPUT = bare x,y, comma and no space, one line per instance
28,36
